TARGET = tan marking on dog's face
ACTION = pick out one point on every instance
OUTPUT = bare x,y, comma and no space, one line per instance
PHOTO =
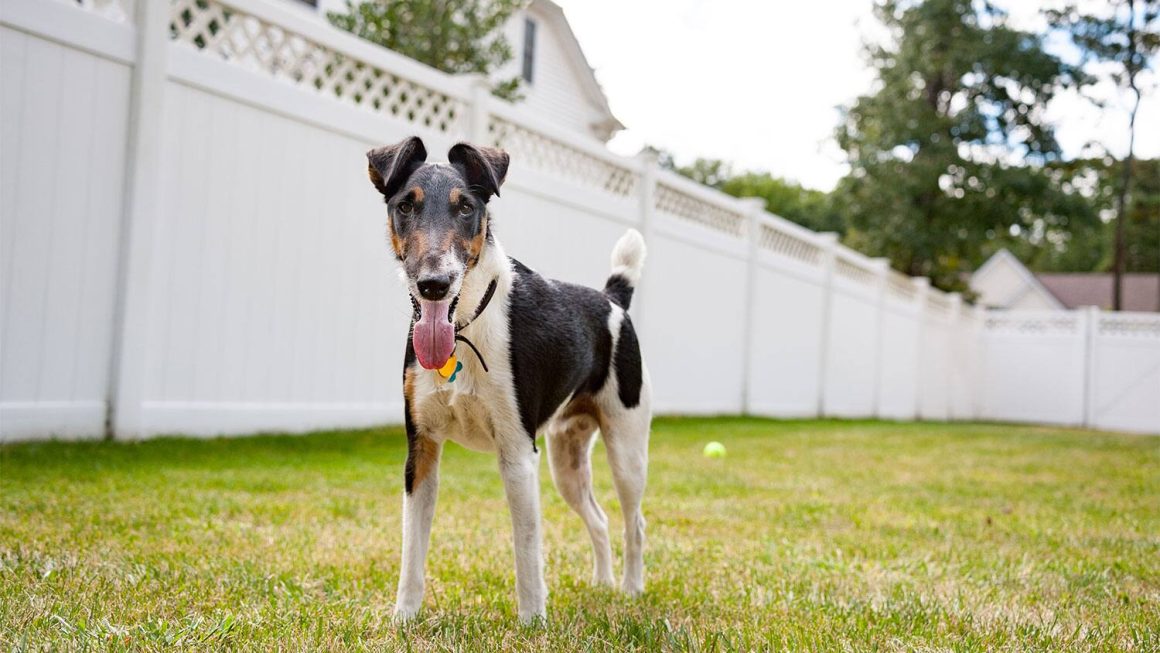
475,245
396,242
417,195
453,197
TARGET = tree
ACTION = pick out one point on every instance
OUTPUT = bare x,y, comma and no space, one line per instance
951,150
1090,248
810,208
459,37
1120,37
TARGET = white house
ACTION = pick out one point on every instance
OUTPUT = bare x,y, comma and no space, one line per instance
558,83
1004,282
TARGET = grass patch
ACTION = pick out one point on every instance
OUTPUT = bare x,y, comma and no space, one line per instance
809,535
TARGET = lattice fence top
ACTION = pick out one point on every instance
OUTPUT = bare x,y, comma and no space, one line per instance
686,206
1131,326
120,11
938,302
901,286
853,271
1063,324
548,155
778,241
261,46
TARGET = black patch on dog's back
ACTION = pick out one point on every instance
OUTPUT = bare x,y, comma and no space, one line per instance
628,371
619,290
560,343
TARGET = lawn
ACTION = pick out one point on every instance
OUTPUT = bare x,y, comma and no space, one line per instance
808,535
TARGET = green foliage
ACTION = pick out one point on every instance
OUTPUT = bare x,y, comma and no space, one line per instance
950,152
810,208
1123,36
1088,247
455,37
1118,40
1142,227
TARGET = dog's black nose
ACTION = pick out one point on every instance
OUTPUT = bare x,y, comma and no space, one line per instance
434,288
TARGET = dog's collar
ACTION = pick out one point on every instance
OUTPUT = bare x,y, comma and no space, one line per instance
487,295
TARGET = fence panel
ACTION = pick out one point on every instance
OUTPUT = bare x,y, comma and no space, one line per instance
272,301
61,175
898,377
1034,366
1125,379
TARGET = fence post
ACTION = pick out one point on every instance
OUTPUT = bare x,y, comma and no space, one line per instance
646,194
828,241
754,209
141,208
955,352
881,274
1090,322
977,362
922,289
479,116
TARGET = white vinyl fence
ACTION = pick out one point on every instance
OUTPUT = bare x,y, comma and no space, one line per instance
191,246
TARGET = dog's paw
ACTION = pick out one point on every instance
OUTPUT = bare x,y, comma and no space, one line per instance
405,613
534,619
603,580
632,589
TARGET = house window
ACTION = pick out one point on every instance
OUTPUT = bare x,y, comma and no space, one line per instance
529,49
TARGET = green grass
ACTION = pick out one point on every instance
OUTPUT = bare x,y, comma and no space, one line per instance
809,535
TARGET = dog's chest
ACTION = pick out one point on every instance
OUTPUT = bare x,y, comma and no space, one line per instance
462,411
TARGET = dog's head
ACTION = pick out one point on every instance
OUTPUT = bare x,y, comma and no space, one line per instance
438,225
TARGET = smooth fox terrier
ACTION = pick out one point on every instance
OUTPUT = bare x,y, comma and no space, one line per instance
539,355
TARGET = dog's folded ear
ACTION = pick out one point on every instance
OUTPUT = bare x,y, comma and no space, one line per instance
484,168
391,165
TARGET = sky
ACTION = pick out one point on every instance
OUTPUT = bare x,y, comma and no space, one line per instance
759,83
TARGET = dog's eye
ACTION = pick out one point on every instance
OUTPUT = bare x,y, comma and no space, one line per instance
466,210
404,207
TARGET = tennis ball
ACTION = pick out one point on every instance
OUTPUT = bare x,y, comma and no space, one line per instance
714,450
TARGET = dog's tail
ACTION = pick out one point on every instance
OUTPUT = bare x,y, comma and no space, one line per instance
627,262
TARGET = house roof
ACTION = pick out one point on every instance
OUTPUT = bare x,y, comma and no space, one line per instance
587,77
1030,282
1141,291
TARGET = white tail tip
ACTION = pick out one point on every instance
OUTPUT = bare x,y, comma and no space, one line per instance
628,256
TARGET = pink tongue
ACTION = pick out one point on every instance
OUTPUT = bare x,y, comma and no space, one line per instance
434,335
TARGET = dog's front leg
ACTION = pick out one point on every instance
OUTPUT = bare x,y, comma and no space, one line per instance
519,465
421,478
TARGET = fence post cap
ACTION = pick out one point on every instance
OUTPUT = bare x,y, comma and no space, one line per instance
649,155
476,80
752,204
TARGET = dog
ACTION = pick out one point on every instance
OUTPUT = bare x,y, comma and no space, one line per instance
497,353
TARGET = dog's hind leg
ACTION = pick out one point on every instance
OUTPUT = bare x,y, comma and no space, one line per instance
627,443
569,444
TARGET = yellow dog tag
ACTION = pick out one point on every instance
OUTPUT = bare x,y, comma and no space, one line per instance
449,369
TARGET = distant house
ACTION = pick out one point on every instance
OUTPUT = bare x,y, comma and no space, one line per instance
1004,282
559,85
